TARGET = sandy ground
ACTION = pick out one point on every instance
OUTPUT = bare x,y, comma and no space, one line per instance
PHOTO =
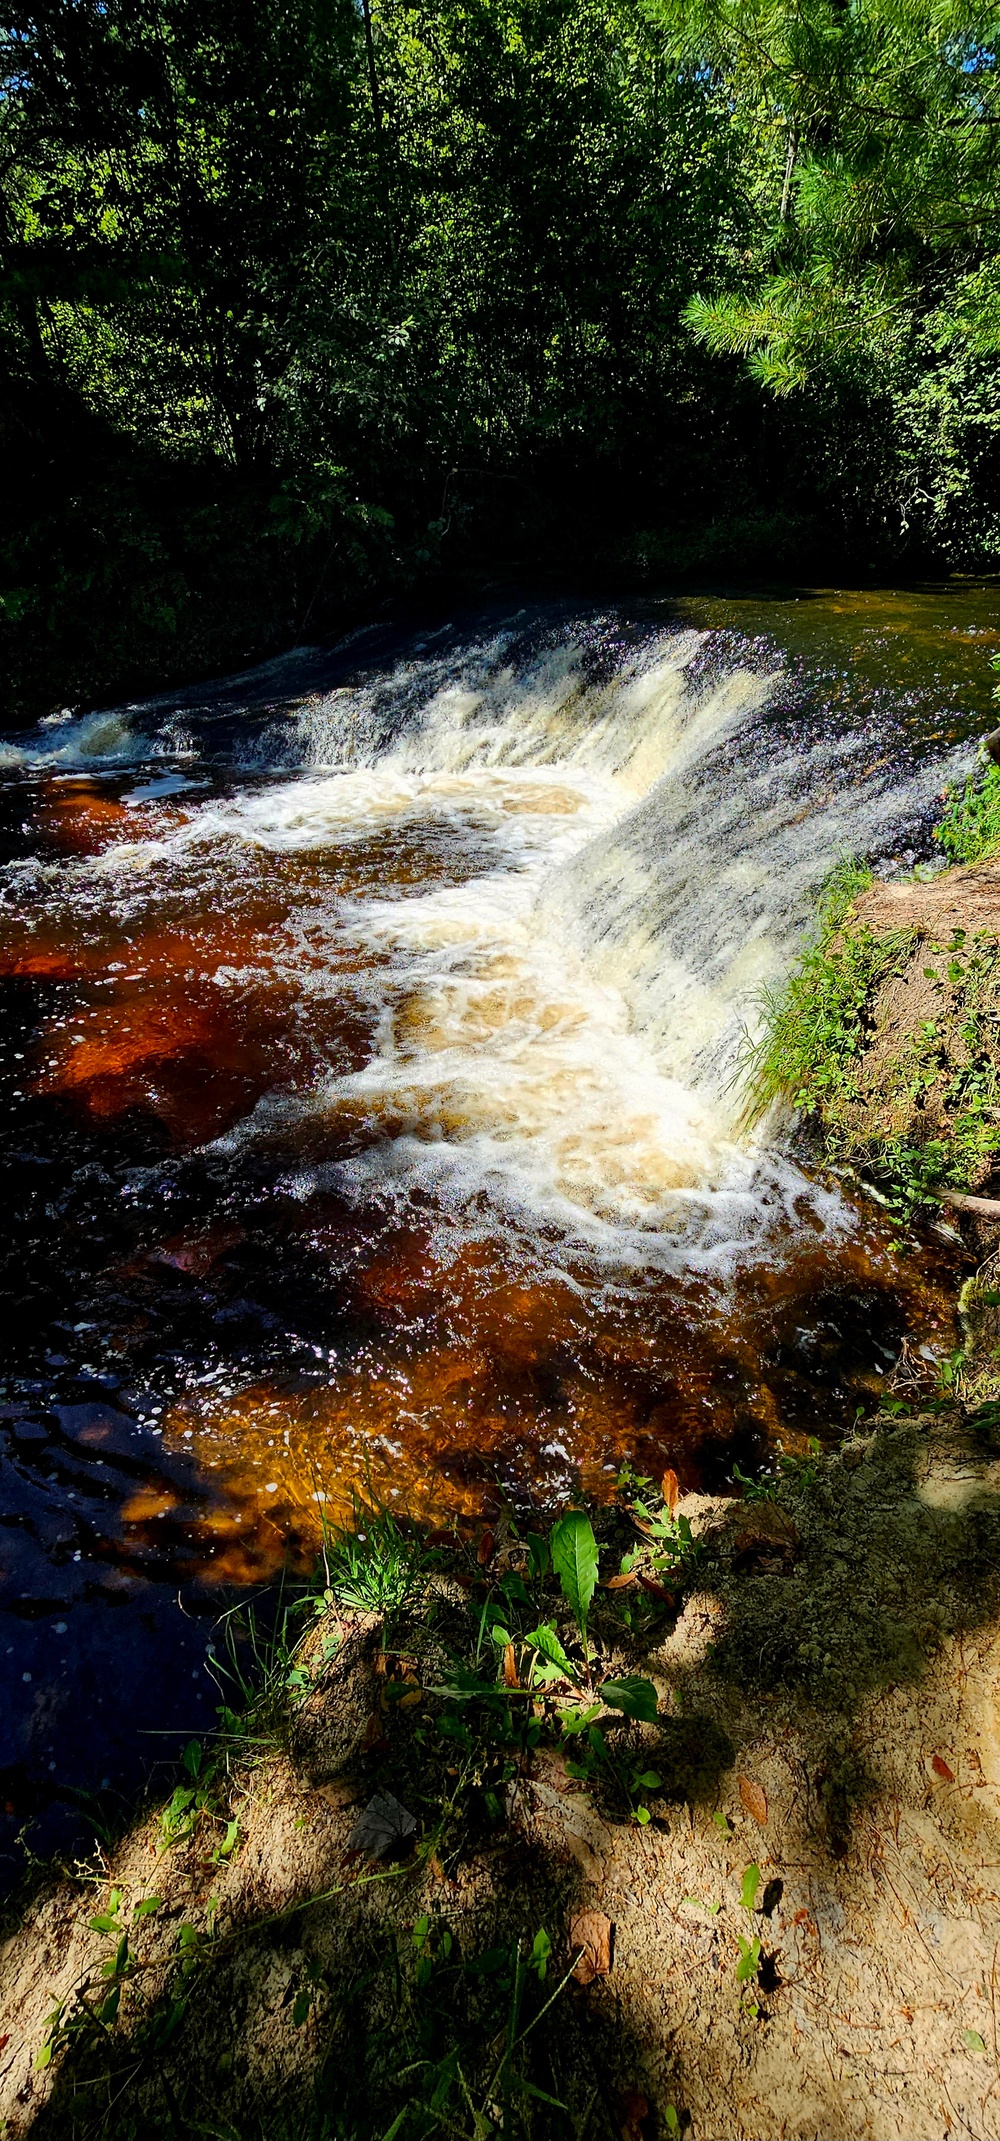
862,1778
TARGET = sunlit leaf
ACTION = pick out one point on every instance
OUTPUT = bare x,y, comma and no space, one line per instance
748,1891
574,1559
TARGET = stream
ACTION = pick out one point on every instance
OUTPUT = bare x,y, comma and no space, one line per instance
372,1058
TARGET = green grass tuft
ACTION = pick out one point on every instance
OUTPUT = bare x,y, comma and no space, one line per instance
815,1025
970,828
377,1567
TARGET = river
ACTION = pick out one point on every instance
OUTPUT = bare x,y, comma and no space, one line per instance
371,1063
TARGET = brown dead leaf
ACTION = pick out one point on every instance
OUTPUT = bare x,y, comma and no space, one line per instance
633,2111
754,1799
486,1547
670,1488
593,1933
385,1830
656,1590
373,1739
509,1666
622,1582
941,1769
340,1791
435,1868
413,1695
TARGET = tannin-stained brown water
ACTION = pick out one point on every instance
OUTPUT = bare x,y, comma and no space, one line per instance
372,1055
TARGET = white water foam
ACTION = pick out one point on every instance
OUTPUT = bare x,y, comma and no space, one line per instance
84,740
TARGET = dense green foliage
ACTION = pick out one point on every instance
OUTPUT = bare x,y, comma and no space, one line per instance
301,298
875,267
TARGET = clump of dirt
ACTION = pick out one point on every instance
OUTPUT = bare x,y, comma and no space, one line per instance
966,897
800,1937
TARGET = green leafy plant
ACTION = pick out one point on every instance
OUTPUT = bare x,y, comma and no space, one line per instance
634,1696
574,1552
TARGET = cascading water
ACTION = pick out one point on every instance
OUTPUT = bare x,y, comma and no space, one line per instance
373,1071
562,1030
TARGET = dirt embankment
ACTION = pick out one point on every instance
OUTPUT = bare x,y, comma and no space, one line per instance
803,1940
894,1022
914,1080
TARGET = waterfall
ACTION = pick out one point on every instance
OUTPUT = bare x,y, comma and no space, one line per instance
618,841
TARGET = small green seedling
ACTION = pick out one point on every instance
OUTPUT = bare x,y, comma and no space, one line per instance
748,1891
108,1921
749,1962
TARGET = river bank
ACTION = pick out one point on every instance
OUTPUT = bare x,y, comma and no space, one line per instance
770,1902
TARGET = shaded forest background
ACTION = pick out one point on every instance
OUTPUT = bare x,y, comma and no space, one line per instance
303,302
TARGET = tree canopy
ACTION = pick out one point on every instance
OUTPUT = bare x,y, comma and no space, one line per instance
302,297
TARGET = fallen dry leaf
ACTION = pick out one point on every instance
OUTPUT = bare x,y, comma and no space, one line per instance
509,1666
670,1488
339,1792
633,2111
754,1799
485,1549
435,1868
941,1769
413,1695
622,1582
657,1590
385,1829
593,1932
